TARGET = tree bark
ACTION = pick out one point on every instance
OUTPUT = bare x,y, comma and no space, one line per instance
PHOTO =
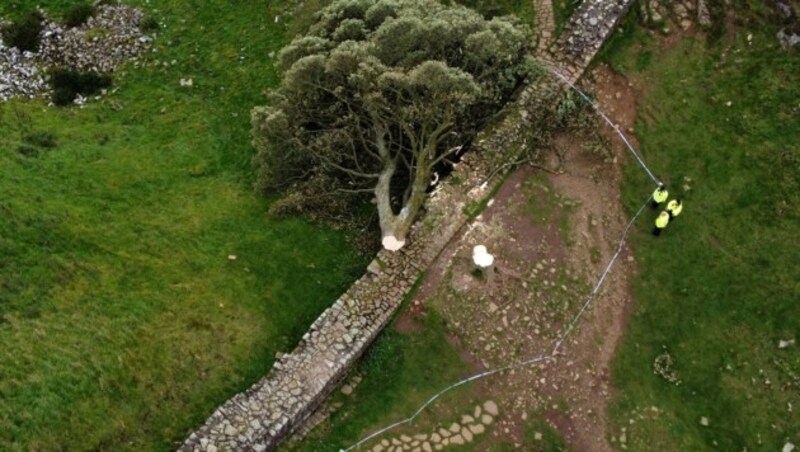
395,227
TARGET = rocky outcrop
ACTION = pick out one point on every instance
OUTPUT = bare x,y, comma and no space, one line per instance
19,74
789,35
110,38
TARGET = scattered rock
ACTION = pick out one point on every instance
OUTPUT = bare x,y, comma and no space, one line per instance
704,421
491,408
81,48
703,15
19,74
374,267
788,38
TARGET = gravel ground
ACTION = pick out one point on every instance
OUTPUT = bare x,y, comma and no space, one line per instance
112,37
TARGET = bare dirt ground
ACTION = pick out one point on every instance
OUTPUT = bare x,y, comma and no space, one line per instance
552,235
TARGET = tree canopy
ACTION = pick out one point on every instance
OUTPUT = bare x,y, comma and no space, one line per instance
375,95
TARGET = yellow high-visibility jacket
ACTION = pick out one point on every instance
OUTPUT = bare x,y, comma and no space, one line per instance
662,221
674,208
660,195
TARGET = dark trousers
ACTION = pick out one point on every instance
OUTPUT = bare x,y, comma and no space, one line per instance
657,231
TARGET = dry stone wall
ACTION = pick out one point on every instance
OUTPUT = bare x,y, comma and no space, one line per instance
590,26
267,412
259,418
544,25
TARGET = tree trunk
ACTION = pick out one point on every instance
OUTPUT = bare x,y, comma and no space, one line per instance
394,227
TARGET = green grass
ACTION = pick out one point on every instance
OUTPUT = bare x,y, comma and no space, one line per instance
474,208
562,11
544,205
719,289
489,8
401,371
631,47
550,439
123,322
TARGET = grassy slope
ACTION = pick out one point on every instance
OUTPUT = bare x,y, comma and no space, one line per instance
720,288
122,321
562,11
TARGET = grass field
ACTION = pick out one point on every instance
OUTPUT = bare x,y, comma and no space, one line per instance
123,323
719,289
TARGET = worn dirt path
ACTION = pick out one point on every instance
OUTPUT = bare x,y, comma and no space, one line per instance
552,235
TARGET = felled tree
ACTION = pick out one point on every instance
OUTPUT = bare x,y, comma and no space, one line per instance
376,94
